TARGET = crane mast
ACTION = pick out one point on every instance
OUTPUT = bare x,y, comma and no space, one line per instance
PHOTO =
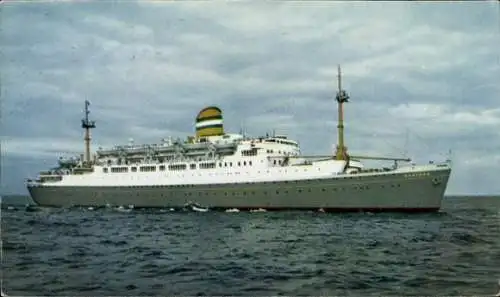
341,97
87,125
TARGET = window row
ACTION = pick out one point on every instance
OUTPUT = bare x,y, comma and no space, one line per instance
176,167
277,192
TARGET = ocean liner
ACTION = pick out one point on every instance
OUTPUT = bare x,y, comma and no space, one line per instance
219,170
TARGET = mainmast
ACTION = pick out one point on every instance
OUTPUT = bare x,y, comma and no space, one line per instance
87,125
341,97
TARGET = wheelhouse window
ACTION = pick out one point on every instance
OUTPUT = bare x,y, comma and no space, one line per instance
207,165
119,169
148,168
252,152
176,167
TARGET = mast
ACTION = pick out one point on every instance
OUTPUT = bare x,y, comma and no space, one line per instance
341,97
87,125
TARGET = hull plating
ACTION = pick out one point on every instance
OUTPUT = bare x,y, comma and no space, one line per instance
395,192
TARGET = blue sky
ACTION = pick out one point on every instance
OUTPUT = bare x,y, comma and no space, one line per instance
423,78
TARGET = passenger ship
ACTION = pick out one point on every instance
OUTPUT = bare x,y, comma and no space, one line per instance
219,170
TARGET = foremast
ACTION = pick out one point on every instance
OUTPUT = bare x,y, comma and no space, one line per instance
341,97
87,125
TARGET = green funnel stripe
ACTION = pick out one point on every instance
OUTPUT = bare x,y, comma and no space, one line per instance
215,117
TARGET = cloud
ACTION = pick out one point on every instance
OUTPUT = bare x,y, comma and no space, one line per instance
42,147
421,76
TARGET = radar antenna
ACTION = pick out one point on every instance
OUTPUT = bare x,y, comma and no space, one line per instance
341,97
87,125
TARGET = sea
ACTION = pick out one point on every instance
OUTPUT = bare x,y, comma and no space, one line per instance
114,252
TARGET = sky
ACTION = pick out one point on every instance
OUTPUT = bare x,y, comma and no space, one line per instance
423,78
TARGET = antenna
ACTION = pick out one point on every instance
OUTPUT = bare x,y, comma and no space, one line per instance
450,157
406,152
87,125
243,131
341,97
